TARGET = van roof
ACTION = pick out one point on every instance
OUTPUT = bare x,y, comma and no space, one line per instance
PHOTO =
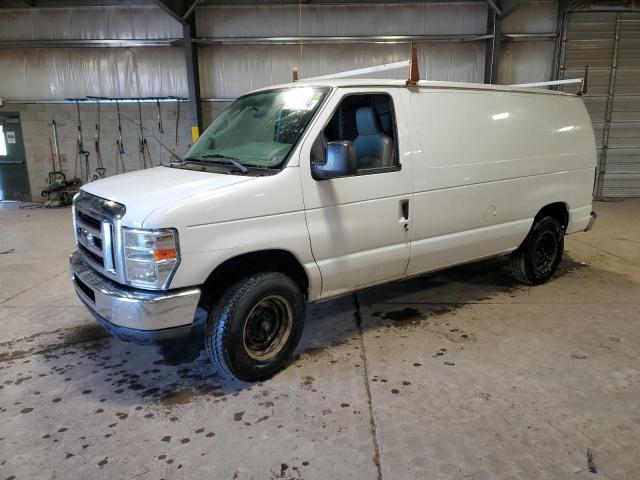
364,82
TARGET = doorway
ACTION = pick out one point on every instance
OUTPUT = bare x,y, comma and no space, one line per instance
14,178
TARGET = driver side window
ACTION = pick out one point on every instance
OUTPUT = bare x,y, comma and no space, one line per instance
365,125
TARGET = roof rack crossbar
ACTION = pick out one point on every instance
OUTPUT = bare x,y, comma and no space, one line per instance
569,81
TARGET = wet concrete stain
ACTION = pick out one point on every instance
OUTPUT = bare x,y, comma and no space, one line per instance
65,338
189,394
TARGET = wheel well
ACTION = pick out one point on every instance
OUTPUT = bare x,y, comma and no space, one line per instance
235,268
556,210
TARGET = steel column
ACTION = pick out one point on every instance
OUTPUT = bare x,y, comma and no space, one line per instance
557,69
492,56
179,11
193,79
602,161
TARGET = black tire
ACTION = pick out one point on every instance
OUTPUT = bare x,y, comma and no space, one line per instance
255,326
537,259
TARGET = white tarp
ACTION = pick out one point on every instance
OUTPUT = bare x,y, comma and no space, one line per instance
59,73
333,20
230,71
89,23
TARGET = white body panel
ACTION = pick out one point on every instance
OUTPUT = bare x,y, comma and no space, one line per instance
477,164
509,155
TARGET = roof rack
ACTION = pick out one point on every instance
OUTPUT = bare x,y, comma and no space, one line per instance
414,73
570,81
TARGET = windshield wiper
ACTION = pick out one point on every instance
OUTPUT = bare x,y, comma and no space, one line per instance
231,160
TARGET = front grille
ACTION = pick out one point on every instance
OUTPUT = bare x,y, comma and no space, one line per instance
92,256
87,219
96,223
85,288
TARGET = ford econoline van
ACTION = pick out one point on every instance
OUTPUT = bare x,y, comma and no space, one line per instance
311,190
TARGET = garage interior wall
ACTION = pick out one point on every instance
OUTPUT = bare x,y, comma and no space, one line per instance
229,70
610,43
526,61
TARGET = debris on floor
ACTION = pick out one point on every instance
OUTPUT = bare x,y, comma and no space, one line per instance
590,464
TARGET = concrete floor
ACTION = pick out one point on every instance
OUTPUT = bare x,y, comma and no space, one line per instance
460,374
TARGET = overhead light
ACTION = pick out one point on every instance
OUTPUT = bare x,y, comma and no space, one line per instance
500,116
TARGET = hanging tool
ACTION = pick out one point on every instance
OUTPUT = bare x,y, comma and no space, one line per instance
55,193
100,170
119,145
142,143
80,151
160,129
175,145
56,147
177,118
139,125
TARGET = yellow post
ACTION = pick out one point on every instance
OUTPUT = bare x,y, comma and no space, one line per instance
195,133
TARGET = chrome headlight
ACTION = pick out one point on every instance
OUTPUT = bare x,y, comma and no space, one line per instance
151,257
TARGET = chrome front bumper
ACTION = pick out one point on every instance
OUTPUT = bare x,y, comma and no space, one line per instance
134,314
592,220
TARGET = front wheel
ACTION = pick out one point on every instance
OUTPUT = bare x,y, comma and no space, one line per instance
255,326
537,259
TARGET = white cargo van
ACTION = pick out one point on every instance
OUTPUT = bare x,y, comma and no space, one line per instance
307,191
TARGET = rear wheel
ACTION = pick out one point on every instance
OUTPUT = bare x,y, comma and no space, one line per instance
537,259
255,326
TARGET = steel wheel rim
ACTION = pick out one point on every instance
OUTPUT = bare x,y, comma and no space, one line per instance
267,328
545,251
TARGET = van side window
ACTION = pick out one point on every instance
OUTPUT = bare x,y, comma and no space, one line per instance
368,122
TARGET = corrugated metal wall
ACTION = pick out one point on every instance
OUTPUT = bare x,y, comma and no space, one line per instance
59,73
610,43
230,70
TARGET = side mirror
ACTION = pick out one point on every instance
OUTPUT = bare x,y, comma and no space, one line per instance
340,161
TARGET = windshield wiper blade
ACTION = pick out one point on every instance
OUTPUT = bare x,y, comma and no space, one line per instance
231,160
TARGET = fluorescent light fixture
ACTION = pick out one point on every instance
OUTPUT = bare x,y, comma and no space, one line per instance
567,129
500,116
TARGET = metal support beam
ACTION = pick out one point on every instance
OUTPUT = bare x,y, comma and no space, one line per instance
560,41
494,6
513,7
92,43
190,10
179,11
328,40
174,8
193,79
492,55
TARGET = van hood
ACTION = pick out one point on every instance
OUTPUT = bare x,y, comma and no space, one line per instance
144,191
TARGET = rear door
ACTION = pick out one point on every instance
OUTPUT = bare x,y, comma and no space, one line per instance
358,225
14,179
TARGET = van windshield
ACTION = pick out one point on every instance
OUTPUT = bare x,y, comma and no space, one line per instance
259,129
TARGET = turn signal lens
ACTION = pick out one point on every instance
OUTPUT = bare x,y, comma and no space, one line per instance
151,257
160,254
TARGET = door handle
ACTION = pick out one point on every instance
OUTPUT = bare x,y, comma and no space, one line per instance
404,214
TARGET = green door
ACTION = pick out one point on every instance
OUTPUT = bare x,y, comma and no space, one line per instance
14,179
